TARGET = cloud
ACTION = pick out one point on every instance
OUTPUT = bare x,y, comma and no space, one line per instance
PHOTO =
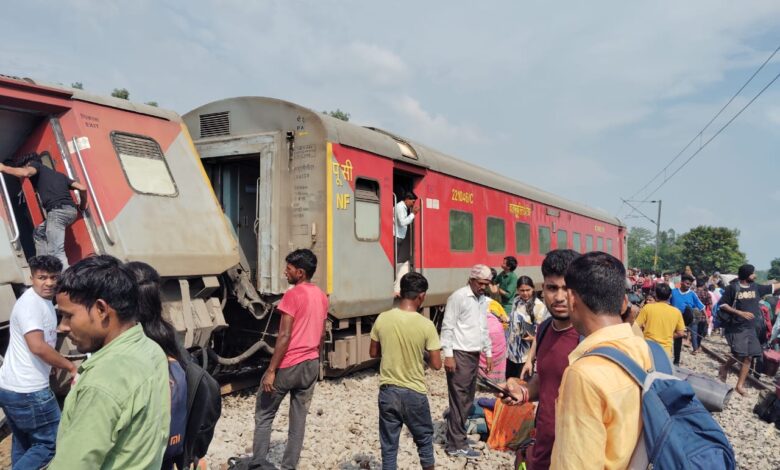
429,127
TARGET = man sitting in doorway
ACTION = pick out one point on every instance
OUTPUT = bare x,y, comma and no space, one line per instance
53,189
404,212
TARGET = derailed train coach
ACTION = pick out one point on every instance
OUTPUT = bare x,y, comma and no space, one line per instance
148,199
289,177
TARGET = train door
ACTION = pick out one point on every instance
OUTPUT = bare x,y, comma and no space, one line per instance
244,185
408,179
45,138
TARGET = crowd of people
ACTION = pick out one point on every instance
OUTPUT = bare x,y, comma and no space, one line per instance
127,407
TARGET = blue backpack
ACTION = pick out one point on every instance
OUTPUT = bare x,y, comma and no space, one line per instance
679,433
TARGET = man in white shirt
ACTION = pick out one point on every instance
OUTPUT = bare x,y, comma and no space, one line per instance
404,212
464,335
29,404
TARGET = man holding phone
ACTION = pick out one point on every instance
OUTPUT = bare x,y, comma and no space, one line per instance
555,339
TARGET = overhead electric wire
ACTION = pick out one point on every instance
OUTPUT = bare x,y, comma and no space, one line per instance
713,137
703,129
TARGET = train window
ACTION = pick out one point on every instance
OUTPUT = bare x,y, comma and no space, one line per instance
599,244
609,246
563,239
522,237
366,209
144,164
544,240
461,231
496,235
576,243
588,243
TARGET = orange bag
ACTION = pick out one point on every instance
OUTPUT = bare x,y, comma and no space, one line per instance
509,425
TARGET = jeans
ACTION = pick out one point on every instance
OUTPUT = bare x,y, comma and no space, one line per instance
399,406
694,329
298,381
33,419
49,236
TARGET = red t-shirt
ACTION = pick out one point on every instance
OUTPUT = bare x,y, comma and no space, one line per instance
552,358
308,306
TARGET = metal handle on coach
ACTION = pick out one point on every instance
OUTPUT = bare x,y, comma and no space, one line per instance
103,223
10,210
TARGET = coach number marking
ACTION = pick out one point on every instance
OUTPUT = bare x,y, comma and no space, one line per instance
462,196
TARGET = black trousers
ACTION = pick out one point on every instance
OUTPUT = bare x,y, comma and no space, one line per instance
461,388
677,350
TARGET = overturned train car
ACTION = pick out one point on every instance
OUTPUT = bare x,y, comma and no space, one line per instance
288,177
148,200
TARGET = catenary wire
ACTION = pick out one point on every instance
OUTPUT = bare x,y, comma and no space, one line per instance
703,129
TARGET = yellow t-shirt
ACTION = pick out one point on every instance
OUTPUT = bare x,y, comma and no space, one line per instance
659,321
403,336
598,418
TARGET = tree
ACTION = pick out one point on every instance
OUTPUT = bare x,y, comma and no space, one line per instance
77,85
774,269
711,249
121,93
641,249
152,103
338,114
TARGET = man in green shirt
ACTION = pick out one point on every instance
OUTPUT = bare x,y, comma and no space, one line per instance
117,415
402,337
507,283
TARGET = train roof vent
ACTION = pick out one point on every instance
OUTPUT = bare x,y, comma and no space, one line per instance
136,146
405,147
215,124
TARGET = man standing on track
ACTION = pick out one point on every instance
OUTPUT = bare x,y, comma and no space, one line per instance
404,212
295,364
400,337
53,189
661,322
464,334
29,404
555,339
681,299
741,301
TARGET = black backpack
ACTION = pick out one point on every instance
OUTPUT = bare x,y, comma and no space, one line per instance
204,407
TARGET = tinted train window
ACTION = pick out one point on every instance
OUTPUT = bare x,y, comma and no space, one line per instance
522,237
599,244
366,209
576,242
609,246
144,164
496,235
461,231
544,240
588,243
563,239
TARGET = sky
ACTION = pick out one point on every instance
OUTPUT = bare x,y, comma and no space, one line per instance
588,100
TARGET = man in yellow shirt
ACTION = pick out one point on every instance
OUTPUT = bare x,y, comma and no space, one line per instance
660,321
598,413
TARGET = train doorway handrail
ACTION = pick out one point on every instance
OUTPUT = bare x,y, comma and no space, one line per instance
103,223
10,209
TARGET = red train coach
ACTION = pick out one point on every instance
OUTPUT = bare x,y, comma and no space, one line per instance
289,177
148,199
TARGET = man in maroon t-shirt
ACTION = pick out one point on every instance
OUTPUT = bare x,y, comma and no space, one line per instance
295,364
556,338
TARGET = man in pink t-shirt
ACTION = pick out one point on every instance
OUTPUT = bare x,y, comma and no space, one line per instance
295,364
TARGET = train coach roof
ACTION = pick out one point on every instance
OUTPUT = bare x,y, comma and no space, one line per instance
81,95
392,146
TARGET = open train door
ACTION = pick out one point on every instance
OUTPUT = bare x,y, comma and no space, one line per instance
50,143
409,178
